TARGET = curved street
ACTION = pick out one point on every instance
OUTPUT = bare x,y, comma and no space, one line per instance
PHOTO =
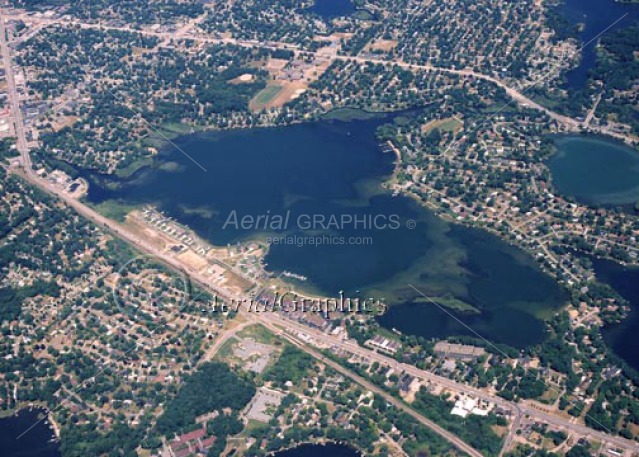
285,327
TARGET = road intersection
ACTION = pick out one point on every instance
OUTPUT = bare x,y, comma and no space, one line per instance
294,332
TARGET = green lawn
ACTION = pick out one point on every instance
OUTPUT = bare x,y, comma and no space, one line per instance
225,353
259,333
114,209
266,95
350,114
444,125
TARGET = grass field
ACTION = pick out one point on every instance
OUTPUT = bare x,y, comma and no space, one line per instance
350,114
225,353
444,125
114,209
170,130
128,171
265,96
260,334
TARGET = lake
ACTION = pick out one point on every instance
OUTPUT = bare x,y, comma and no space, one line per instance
595,171
329,9
318,450
335,169
503,283
622,338
596,16
36,443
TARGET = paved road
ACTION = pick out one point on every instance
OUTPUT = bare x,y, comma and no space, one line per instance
219,342
14,101
515,408
511,434
122,233
515,94
592,111
451,438
272,319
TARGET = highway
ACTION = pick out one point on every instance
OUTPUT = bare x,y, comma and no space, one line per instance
188,32
451,438
286,327
515,408
516,95
14,101
122,233
293,329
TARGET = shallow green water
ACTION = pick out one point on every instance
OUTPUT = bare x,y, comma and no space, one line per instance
336,169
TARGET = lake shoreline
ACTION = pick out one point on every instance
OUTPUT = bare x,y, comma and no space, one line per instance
41,434
594,170
357,178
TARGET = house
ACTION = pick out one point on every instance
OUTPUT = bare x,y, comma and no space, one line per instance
458,351
383,345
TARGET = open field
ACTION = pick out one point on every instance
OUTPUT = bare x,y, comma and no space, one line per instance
265,97
450,124
350,114
114,209
381,45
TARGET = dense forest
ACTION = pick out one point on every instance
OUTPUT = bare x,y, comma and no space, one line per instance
11,299
476,431
213,387
291,366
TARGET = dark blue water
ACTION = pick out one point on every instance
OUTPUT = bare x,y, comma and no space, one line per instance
508,288
335,169
35,443
622,338
314,450
595,171
597,16
329,9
